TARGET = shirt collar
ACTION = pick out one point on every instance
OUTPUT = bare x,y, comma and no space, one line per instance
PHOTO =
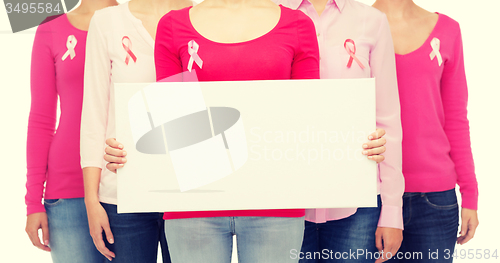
294,4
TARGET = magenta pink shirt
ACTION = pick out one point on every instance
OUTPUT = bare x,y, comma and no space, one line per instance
368,28
433,91
288,51
53,158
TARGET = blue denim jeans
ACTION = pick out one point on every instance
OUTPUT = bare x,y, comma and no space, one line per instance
350,239
70,239
136,236
258,239
431,226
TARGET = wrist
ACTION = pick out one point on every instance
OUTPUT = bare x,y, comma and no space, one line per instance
91,200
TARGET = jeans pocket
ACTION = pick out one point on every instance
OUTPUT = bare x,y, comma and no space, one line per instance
442,200
52,202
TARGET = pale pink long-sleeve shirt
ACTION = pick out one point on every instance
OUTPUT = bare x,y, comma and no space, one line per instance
119,50
368,28
53,156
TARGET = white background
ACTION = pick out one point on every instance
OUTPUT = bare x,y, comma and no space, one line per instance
480,29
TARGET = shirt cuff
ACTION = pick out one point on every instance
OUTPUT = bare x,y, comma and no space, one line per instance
96,164
391,216
38,208
469,201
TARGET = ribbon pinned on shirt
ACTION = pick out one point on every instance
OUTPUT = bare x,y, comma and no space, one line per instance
70,44
193,53
436,45
352,53
127,45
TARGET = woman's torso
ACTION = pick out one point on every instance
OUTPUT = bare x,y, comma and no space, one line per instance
271,56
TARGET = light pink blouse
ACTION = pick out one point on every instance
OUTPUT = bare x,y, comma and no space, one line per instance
342,23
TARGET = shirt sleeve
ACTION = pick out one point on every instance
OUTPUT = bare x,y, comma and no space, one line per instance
167,58
96,97
383,65
454,95
42,117
305,63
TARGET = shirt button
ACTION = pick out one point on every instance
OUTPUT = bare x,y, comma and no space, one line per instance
318,34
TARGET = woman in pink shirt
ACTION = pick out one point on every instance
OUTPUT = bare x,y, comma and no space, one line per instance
433,95
53,159
345,26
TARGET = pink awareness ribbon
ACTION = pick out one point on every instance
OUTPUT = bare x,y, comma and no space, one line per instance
70,44
436,45
127,45
352,52
193,53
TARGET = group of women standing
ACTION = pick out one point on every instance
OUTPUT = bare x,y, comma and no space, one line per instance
421,92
